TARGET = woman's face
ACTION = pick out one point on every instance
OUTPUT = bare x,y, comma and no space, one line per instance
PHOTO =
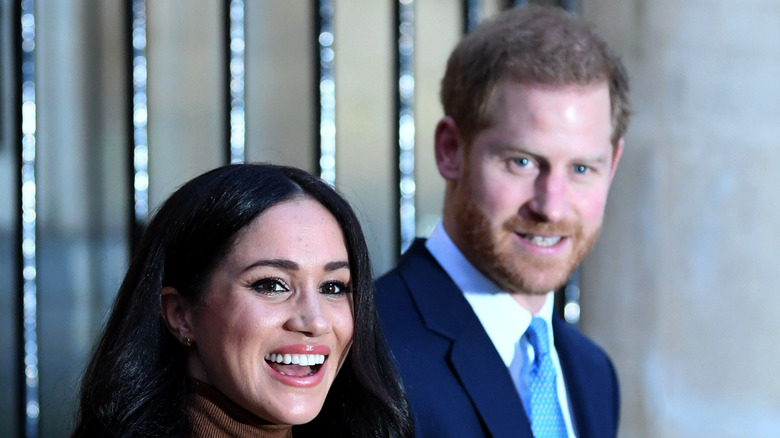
277,321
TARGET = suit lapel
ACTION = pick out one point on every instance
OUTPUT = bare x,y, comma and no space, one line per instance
473,358
487,382
578,376
570,373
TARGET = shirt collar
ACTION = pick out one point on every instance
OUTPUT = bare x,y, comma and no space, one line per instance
503,318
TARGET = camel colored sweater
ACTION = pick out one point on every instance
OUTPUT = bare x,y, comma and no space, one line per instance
213,415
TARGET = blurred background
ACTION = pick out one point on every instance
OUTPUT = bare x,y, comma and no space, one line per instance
678,290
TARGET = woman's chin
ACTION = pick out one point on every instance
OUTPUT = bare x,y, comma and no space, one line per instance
295,415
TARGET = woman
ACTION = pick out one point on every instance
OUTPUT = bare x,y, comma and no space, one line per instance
248,310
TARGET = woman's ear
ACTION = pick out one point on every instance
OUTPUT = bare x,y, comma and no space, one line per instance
177,315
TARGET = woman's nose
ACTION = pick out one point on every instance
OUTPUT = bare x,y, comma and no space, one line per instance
307,316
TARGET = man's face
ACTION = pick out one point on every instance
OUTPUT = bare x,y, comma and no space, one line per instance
530,196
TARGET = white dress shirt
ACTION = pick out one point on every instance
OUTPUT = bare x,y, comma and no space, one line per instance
503,318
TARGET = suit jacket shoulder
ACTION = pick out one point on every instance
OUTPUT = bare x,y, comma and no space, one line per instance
457,384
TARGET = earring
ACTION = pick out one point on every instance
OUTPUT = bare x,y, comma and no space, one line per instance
186,341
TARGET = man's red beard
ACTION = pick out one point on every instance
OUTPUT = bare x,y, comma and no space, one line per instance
497,260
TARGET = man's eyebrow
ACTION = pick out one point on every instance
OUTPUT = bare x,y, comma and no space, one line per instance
513,147
519,148
598,159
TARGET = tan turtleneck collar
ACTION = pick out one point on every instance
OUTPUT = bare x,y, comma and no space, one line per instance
213,415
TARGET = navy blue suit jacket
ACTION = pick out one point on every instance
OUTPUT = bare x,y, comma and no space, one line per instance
456,382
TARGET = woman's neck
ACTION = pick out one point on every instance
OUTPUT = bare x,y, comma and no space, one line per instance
213,415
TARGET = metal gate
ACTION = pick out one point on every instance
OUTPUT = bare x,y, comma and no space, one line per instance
74,205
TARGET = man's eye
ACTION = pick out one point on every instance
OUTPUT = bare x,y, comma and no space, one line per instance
522,162
580,168
269,285
334,288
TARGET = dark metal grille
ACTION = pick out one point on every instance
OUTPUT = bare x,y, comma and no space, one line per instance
234,148
236,130
471,14
405,124
138,144
27,222
325,90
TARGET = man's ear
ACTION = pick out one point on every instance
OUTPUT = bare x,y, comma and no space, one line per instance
449,148
177,315
616,154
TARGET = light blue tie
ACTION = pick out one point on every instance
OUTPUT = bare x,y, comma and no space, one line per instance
546,418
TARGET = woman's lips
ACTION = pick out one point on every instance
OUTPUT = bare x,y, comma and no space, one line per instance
295,359
298,365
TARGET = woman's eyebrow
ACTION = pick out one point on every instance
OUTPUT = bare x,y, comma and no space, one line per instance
287,265
332,266
290,265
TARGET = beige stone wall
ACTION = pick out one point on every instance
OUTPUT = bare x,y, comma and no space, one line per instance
680,288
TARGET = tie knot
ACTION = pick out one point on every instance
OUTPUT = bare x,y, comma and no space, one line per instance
537,336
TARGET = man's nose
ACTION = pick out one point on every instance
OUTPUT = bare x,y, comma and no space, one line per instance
550,202
307,316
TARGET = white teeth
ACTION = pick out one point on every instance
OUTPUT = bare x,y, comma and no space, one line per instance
543,241
296,359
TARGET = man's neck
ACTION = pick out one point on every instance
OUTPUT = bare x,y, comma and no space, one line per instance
531,302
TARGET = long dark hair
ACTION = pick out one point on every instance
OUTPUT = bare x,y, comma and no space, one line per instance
135,383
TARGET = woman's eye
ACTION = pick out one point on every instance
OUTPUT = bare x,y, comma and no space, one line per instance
269,285
334,288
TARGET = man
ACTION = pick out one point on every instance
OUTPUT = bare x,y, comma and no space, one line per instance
535,109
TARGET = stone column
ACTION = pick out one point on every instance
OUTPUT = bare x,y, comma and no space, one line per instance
680,288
